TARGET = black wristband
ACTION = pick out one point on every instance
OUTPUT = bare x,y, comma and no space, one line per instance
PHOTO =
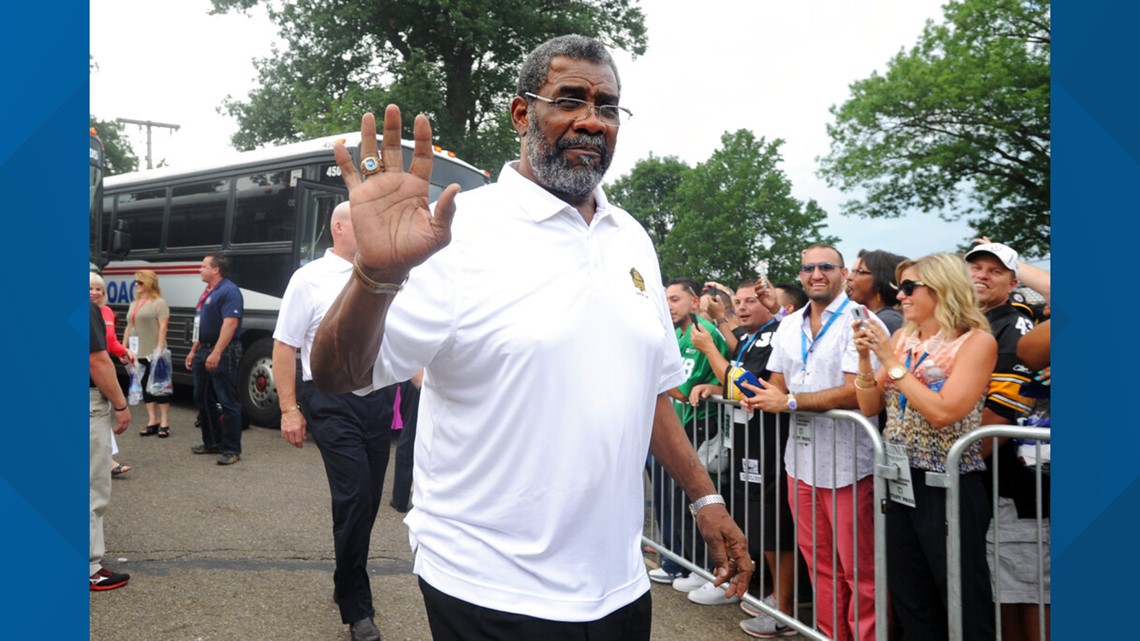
120,409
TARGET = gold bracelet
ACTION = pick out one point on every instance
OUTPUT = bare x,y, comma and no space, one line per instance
871,386
372,286
295,408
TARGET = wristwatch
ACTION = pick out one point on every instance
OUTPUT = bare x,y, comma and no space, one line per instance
792,404
710,499
896,372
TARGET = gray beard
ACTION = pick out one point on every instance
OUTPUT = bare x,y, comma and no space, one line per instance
555,172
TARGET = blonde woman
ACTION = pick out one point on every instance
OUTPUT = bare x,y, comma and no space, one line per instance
147,322
98,295
932,384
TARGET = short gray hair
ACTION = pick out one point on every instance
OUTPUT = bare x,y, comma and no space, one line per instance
536,67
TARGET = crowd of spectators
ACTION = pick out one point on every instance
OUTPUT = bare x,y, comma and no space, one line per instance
930,349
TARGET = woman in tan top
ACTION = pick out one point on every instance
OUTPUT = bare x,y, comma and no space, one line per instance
932,383
147,321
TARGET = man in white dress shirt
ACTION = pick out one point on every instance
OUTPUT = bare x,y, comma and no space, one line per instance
814,364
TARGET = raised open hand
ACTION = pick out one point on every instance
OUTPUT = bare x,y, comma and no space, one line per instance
395,230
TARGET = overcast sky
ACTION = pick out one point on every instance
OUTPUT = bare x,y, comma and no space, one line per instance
771,66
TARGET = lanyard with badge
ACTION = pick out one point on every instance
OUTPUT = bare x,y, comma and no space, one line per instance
739,414
914,370
133,341
802,423
198,314
901,489
739,362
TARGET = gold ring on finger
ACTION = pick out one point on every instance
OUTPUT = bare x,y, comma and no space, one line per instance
370,165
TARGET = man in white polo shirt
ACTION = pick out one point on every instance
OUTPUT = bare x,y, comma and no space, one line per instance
814,364
353,431
528,463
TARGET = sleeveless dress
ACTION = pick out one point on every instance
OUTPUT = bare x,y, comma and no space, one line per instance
931,361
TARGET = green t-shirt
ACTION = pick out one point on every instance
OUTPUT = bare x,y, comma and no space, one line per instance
697,371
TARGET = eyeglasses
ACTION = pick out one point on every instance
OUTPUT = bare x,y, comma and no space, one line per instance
823,267
612,115
908,285
859,271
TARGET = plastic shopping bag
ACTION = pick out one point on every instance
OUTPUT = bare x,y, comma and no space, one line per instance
161,369
134,390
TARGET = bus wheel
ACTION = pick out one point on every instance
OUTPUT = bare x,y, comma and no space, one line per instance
258,388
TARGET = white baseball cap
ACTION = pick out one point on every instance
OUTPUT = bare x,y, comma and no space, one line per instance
1004,253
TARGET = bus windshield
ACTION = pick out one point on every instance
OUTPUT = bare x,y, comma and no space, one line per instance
96,202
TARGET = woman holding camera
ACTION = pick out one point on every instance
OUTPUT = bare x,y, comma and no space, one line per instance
932,383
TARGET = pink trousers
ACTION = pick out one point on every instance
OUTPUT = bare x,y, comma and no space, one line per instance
853,592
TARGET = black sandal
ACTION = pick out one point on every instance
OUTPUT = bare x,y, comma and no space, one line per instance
163,431
149,430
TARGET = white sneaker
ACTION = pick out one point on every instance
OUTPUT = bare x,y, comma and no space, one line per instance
765,627
689,583
661,576
707,594
755,612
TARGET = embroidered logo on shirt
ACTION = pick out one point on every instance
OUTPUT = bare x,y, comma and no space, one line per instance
638,281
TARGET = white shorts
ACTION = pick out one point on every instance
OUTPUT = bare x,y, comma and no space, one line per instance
1015,573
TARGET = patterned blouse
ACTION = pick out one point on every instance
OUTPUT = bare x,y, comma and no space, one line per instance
931,362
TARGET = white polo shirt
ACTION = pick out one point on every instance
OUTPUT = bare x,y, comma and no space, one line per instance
831,356
311,291
545,343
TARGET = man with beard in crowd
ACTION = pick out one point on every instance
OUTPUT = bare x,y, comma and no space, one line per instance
829,462
528,465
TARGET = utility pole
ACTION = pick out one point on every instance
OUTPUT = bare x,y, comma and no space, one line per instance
148,124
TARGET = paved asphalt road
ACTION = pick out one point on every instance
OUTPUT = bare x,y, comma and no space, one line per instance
244,553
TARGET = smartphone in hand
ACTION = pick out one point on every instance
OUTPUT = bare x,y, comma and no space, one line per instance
746,377
861,314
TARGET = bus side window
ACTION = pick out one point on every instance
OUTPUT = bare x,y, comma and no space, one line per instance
143,210
198,214
263,208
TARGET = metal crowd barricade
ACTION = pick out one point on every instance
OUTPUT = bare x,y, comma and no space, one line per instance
664,498
952,481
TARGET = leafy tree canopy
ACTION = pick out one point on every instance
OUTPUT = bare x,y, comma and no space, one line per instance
718,219
118,155
649,194
455,61
957,126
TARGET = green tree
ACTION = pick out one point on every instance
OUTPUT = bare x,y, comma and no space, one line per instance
118,155
718,219
649,194
957,126
736,209
454,60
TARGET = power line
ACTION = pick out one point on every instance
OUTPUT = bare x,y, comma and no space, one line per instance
148,124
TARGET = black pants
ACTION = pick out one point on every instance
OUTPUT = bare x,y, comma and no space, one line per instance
452,619
353,434
406,446
916,560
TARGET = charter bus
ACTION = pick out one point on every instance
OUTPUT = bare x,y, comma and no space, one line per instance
267,211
